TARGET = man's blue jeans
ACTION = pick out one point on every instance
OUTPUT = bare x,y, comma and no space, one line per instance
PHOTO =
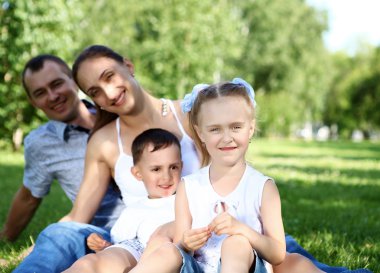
58,246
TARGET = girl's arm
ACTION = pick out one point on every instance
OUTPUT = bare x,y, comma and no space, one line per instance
270,245
189,239
94,184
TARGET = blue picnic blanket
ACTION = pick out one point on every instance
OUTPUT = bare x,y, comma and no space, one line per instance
293,247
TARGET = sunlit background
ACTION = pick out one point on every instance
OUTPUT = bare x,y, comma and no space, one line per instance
315,65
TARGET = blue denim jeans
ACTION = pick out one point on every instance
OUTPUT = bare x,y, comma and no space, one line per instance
58,246
293,247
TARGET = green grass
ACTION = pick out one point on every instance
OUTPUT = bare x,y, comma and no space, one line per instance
54,206
330,195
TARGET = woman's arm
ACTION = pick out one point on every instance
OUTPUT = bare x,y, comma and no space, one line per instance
97,175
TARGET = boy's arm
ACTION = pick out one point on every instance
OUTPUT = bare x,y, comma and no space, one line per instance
22,209
96,242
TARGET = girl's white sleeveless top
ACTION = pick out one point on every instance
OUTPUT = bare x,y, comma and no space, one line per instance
133,190
243,203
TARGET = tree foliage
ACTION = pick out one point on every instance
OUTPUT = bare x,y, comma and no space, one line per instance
354,98
276,45
174,44
285,58
29,28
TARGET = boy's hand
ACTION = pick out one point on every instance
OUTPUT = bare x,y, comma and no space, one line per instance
96,242
225,223
194,239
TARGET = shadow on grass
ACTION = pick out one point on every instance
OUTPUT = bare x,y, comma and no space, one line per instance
367,174
330,218
342,209
375,156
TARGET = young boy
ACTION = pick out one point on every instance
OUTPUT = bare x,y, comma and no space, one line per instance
157,163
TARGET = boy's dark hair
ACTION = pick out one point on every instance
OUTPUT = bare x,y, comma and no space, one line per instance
37,63
159,138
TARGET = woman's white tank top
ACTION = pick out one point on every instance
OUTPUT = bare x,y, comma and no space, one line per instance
133,190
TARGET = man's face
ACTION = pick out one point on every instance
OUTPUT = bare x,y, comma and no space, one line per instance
53,91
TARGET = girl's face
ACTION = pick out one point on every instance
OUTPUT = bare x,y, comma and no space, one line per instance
110,85
225,125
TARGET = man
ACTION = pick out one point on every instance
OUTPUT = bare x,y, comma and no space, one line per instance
55,150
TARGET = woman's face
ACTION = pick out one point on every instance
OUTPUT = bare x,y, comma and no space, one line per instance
110,84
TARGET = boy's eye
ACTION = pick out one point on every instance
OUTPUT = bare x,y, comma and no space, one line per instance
214,130
155,169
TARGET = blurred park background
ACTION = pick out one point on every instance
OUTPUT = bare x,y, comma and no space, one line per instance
303,88
305,91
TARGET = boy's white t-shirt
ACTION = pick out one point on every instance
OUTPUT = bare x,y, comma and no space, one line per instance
140,219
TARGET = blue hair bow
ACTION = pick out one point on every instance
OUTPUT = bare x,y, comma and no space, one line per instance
248,88
189,99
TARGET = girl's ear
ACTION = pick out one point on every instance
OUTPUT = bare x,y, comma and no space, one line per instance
136,173
252,128
199,132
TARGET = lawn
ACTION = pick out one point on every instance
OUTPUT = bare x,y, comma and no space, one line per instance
330,194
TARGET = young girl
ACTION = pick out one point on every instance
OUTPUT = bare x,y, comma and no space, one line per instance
227,215
228,211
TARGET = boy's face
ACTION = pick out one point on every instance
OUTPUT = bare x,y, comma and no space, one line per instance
159,170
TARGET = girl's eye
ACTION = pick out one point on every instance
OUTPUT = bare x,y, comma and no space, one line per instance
155,169
236,128
214,130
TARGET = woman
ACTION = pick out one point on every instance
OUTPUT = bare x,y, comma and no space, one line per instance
125,110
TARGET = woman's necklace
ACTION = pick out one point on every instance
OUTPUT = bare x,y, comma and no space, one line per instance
164,109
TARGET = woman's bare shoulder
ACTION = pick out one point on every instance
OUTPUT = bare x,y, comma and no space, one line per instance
104,141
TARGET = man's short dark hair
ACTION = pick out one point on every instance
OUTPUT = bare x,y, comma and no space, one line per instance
37,63
159,138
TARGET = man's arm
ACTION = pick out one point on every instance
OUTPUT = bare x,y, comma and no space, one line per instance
22,209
